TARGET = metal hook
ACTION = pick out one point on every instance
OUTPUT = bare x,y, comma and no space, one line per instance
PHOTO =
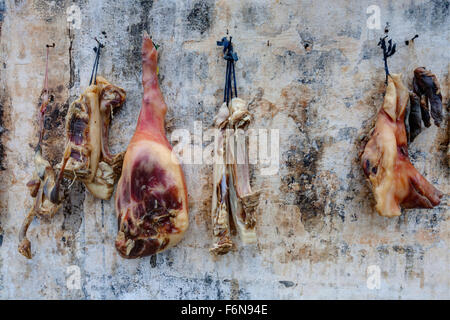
99,43
412,39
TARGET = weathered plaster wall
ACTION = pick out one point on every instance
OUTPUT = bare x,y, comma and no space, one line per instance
317,229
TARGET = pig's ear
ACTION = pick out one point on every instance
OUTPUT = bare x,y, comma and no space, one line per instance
435,98
415,116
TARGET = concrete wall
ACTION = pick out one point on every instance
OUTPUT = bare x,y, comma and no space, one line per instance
318,231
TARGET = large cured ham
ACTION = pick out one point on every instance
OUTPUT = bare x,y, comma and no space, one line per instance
394,180
151,198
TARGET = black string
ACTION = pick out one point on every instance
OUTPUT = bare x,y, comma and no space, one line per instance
230,75
96,62
388,51
225,91
234,79
96,67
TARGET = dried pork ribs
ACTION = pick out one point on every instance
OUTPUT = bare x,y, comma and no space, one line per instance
87,156
385,161
220,205
151,198
232,193
243,201
42,187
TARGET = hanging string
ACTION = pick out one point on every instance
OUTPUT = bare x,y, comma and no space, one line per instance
230,76
45,102
96,62
45,99
388,50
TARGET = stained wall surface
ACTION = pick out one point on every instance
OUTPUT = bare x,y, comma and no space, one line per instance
310,69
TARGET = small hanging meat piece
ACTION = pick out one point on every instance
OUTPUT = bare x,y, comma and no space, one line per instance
415,117
87,156
83,134
42,186
243,201
394,180
111,98
425,98
426,86
109,167
222,242
232,193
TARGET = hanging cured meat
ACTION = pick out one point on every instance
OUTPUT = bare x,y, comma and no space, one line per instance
232,193
425,102
385,160
87,156
394,180
427,87
243,201
220,205
42,186
151,198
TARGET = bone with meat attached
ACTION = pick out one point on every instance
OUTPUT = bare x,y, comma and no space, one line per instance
385,161
151,197
243,201
87,156
222,242
232,193
42,187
